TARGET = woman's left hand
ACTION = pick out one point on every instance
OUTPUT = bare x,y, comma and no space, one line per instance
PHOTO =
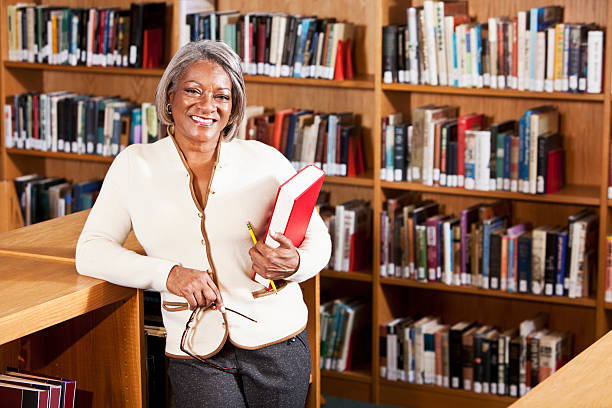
275,263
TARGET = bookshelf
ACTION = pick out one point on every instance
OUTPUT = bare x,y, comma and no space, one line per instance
587,170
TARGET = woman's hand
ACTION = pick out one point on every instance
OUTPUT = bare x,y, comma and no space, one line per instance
275,263
196,286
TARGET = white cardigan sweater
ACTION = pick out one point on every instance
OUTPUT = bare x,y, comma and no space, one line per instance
149,188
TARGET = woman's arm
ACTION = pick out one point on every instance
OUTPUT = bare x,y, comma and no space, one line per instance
99,251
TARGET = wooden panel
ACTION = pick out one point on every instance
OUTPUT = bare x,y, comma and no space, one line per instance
36,241
583,382
36,294
10,213
413,396
101,350
310,290
359,12
346,388
503,313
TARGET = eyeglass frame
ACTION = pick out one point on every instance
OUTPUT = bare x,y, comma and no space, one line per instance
203,360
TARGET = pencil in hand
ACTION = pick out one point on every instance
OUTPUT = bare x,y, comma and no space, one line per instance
250,227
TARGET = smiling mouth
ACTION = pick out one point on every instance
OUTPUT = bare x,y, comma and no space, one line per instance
203,121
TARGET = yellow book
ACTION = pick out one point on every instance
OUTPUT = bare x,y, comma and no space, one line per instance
558,78
54,38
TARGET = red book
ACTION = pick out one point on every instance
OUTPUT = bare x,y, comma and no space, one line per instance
68,386
278,127
474,122
555,167
295,202
349,70
152,54
16,396
339,69
55,391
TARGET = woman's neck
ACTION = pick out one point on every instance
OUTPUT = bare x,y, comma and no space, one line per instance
198,154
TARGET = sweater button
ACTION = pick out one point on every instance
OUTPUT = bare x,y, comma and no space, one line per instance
200,215
202,242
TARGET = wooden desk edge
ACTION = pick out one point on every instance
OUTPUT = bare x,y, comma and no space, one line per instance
41,316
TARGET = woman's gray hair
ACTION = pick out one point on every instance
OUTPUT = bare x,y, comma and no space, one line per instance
205,50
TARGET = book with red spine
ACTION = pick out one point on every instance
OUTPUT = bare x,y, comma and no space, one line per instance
17,396
472,121
555,167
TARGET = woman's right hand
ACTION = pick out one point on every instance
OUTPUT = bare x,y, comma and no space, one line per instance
196,286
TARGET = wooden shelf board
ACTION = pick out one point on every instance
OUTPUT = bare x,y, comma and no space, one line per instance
155,72
60,155
364,181
31,300
358,375
608,305
580,302
447,391
359,83
356,276
570,194
499,93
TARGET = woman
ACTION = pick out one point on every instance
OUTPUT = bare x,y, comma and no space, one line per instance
188,198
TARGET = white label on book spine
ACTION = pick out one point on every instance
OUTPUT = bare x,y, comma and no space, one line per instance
60,145
523,286
559,289
455,382
513,391
494,282
388,77
477,387
493,388
133,52
467,384
610,192
548,289
398,175
460,179
416,173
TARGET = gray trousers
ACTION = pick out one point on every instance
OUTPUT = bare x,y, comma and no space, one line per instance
273,376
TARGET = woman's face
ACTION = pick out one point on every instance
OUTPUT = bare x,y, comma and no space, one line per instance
202,103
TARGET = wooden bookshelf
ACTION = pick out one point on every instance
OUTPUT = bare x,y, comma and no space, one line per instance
493,93
355,276
468,290
586,140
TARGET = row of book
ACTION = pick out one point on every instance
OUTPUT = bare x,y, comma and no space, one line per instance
443,149
76,123
482,247
281,45
343,323
350,227
21,389
87,36
471,356
534,51
331,141
43,198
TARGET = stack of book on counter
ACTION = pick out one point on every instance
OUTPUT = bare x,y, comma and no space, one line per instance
331,141
350,228
344,324
281,45
20,389
534,51
74,123
482,247
470,356
43,198
87,36
441,148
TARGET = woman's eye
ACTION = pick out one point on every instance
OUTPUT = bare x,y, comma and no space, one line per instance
223,97
191,91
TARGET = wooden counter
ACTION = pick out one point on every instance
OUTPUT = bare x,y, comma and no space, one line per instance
55,321
585,381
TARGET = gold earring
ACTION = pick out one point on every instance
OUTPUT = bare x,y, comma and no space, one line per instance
169,109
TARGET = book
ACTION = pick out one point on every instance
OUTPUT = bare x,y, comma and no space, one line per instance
295,201
19,396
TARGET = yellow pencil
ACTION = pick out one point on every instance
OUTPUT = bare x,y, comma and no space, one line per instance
250,227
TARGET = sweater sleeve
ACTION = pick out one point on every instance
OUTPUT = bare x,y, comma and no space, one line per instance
99,251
